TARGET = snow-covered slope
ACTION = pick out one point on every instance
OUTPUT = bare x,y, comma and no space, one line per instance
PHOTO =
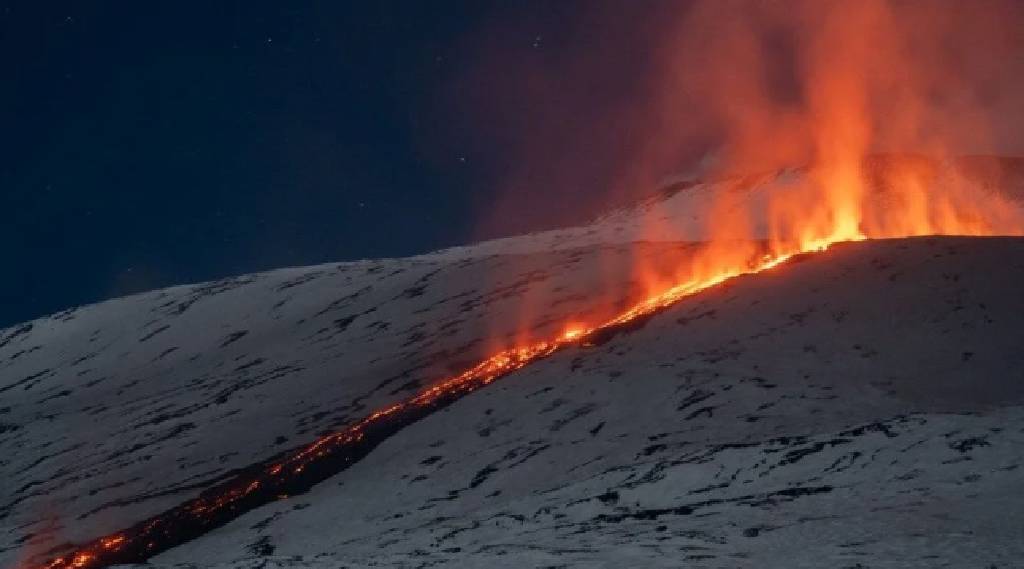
116,411
876,386
680,210
858,407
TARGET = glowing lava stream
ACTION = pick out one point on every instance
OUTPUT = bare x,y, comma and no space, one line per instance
301,469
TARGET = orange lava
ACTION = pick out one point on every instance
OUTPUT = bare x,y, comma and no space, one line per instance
713,264
806,218
488,370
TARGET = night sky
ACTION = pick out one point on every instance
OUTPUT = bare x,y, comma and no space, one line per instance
148,144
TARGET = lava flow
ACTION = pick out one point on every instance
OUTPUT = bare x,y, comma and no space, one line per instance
298,471
714,263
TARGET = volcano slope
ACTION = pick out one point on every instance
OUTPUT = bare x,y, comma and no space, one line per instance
703,435
859,406
114,412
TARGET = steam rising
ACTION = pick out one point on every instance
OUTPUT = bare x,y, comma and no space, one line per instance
814,88
758,86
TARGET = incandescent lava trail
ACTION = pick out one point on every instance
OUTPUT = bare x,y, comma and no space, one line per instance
300,469
804,218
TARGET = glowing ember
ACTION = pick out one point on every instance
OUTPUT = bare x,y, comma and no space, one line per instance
573,332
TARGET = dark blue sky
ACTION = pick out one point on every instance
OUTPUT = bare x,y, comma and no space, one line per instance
154,143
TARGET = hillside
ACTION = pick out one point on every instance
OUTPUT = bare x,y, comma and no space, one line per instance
858,405
862,406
